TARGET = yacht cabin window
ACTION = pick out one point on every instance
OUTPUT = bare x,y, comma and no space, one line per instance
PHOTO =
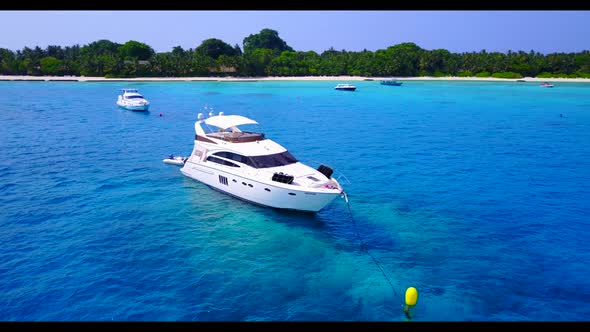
272,160
221,161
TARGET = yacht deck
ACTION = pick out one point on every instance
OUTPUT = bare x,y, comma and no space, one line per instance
237,137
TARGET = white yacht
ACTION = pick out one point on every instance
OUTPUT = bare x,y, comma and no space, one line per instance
345,87
249,166
132,100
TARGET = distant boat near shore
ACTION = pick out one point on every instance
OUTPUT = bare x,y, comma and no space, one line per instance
132,100
345,87
391,82
546,85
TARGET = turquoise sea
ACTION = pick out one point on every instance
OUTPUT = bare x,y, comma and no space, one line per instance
475,193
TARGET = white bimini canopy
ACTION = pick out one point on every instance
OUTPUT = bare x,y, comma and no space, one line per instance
228,121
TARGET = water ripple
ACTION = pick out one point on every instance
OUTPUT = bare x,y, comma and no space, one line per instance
477,197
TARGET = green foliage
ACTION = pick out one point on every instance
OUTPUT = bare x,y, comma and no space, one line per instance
200,65
563,75
436,61
28,61
100,47
266,38
361,63
291,63
178,51
215,48
135,50
507,74
400,60
465,74
7,62
265,53
50,66
332,63
237,49
257,61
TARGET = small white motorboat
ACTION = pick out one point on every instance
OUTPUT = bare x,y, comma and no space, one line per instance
132,100
345,87
175,160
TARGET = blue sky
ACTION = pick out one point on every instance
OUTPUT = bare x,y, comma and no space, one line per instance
456,31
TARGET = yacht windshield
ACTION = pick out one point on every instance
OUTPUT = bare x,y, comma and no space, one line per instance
273,160
135,97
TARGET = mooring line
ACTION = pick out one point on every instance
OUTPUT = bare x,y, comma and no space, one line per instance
366,249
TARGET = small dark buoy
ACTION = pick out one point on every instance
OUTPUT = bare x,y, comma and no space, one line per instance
160,114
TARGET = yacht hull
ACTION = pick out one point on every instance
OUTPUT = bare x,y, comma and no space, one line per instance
258,192
137,108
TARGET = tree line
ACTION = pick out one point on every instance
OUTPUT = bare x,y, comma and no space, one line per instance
266,54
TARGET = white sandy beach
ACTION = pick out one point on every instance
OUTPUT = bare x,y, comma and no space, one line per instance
276,78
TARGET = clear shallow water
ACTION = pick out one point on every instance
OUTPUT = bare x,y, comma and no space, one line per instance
474,193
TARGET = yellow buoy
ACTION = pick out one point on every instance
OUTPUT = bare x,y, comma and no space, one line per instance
411,296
